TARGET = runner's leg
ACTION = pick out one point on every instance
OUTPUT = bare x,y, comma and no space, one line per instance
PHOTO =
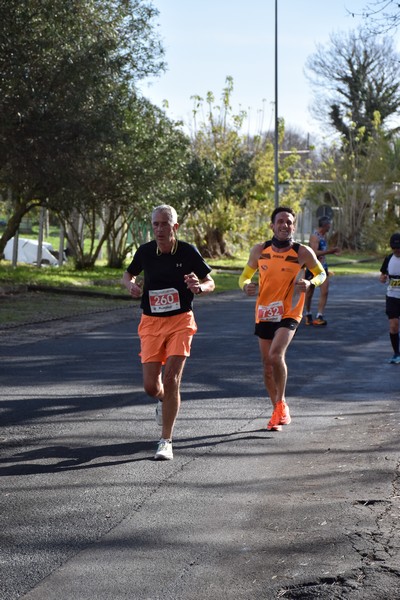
308,300
273,356
152,379
269,381
323,296
173,371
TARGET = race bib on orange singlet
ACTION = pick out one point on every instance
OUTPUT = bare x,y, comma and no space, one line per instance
271,313
162,301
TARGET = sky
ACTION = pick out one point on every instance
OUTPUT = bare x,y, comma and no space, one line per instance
206,41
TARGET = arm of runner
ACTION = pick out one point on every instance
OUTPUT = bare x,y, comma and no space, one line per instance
245,283
129,281
308,258
314,243
319,274
245,277
384,276
199,286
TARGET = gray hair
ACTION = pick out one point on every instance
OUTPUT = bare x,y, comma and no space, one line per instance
168,210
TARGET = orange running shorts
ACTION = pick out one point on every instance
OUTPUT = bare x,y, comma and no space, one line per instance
161,337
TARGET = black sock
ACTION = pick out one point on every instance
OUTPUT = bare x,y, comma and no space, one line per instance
394,338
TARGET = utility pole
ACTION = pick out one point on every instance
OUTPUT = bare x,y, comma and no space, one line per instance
276,143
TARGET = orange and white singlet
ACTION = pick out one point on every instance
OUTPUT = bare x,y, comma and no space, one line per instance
278,272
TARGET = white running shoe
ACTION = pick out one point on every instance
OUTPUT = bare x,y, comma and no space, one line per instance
159,413
164,450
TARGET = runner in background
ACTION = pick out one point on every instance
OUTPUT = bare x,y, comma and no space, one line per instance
390,274
319,244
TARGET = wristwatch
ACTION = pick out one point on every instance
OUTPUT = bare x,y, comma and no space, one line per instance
200,290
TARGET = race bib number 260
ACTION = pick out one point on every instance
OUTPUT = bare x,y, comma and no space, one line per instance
162,301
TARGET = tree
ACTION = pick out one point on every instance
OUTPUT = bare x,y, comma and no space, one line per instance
147,167
237,178
359,177
295,161
64,71
381,16
353,78
224,164
152,169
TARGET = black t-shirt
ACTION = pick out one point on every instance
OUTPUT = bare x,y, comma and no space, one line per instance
165,292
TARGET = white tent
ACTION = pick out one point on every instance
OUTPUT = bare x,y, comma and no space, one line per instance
28,250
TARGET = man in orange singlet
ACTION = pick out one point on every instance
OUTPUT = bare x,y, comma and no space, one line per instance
281,264
174,272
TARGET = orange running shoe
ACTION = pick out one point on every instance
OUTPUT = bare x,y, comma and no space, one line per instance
275,420
280,416
319,322
285,414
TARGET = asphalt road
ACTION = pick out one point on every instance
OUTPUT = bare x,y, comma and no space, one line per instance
240,513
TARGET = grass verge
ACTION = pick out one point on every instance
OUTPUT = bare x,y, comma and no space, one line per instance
21,303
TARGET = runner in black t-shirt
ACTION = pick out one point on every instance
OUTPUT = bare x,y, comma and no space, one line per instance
174,272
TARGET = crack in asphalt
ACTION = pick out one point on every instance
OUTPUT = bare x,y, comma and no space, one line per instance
378,576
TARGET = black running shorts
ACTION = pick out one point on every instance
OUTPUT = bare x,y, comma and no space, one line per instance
266,331
392,307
